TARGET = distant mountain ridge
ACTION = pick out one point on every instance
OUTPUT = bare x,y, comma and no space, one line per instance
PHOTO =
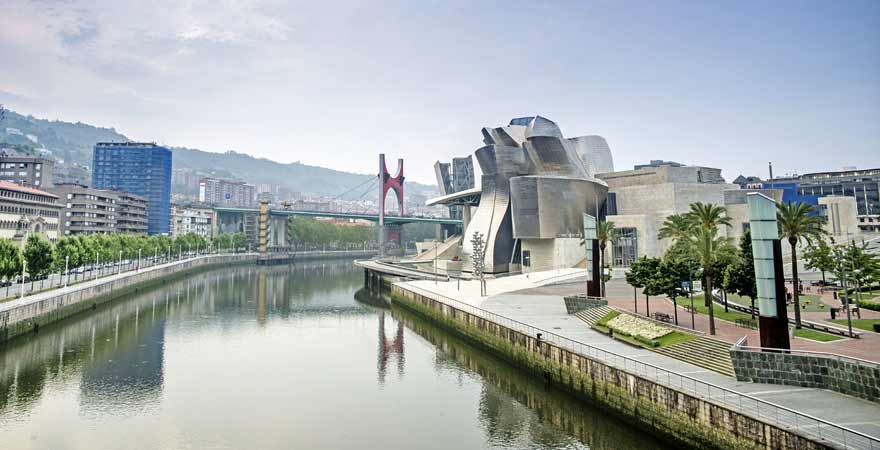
73,142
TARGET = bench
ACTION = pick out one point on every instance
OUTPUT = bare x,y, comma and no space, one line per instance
663,317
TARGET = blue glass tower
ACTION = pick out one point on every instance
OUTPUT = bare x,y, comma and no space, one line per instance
138,168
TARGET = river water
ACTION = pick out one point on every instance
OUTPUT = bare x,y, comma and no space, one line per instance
283,357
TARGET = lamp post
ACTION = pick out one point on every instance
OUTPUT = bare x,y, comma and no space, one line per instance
139,261
856,273
119,263
66,269
846,296
97,263
23,270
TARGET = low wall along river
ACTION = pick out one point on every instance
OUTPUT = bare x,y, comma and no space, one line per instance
690,421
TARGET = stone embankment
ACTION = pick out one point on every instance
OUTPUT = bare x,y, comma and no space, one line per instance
636,394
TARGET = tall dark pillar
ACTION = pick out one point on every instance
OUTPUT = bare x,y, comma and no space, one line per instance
774,330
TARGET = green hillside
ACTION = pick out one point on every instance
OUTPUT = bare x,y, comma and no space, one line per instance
73,142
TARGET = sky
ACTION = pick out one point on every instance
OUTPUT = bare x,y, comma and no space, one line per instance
723,84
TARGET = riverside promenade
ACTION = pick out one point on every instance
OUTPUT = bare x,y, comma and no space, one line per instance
531,304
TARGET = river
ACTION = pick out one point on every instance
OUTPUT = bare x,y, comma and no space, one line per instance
282,357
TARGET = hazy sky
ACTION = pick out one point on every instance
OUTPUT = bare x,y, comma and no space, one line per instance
731,84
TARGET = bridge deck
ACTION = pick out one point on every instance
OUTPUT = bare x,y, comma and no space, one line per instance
343,215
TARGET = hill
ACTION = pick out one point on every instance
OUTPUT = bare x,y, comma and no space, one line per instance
73,142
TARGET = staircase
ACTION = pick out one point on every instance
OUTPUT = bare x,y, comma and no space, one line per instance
441,250
592,315
702,352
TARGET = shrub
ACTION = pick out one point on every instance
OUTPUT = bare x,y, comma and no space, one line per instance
870,305
877,327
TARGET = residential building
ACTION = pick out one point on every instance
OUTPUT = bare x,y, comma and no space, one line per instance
25,210
139,168
86,210
219,192
131,217
26,170
71,173
192,219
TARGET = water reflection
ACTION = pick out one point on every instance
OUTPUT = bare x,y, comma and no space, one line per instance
275,358
389,348
516,409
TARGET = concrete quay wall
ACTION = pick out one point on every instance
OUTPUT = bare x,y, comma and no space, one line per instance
61,303
686,420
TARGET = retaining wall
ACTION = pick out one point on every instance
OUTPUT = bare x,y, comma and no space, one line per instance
846,376
577,303
74,299
683,419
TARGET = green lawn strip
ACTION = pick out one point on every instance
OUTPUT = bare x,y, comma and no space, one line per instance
816,335
730,315
604,320
676,337
862,324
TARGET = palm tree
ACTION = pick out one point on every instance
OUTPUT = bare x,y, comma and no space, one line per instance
605,232
707,245
797,222
676,227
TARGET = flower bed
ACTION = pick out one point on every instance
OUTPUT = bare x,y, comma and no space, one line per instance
638,328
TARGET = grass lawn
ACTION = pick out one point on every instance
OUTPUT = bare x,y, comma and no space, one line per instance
730,315
816,335
862,324
813,306
676,337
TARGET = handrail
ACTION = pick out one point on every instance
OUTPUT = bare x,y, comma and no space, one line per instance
9,306
829,355
848,437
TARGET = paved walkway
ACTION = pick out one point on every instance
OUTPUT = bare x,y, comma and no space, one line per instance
523,299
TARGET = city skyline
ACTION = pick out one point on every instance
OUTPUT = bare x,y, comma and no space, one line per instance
325,84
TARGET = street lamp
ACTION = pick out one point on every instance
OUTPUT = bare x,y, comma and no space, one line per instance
66,271
119,263
856,273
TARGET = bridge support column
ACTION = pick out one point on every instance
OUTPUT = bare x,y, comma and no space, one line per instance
263,227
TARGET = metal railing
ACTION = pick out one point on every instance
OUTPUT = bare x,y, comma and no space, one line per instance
808,426
52,300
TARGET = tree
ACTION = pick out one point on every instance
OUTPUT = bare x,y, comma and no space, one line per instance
10,259
671,273
797,222
860,265
707,246
739,276
676,226
68,251
818,256
642,274
605,233
39,255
